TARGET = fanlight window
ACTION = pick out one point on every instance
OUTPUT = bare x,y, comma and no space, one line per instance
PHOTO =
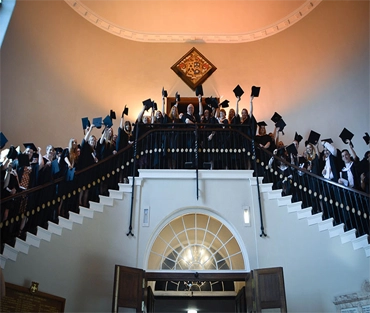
195,242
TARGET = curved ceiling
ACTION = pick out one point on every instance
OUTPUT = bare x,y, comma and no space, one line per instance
209,21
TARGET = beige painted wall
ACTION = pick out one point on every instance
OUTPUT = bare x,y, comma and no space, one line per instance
57,68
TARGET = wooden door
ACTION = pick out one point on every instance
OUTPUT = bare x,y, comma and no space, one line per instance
129,287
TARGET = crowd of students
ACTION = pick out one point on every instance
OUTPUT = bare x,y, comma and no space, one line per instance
21,171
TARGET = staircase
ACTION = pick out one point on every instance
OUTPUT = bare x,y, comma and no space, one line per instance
23,246
316,219
267,194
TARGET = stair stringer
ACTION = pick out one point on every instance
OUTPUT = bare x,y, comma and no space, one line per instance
327,225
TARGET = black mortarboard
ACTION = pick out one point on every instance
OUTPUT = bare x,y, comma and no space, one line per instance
329,140
225,104
313,137
199,90
281,124
31,146
366,138
12,154
177,96
112,114
154,105
148,104
108,121
3,140
212,102
164,93
297,137
276,117
346,134
97,121
291,149
238,91
85,122
125,111
262,123
59,150
23,160
255,91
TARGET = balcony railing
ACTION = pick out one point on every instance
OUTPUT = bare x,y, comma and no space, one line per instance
180,146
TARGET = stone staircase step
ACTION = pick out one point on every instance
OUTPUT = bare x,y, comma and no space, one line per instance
65,223
21,246
10,253
86,212
360,242
116,194
326,224
55,228
348,236
267,187
284,200
337,230
76,218
314,219
274,194
106,200
294,207
43,233
33,240
96,206
304,213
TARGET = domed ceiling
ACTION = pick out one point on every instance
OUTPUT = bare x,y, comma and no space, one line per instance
209,21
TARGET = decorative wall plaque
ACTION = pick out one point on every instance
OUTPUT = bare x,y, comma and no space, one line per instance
193,68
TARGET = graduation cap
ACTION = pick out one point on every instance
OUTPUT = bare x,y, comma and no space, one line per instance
125,111
112,114
97,122
199,90
313,137
30,146
12,154
177,96
59,150
366,138
148,104
276,117
225,104
108,122
297,137
85,122
154,105
291,149
255,91
3,140
346,135
23,160
212,102
262,123
329,140
238,91
164,93
281,124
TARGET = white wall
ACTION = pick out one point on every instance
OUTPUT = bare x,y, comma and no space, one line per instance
57,68
79,265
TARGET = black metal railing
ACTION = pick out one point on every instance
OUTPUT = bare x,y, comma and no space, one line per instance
180,146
